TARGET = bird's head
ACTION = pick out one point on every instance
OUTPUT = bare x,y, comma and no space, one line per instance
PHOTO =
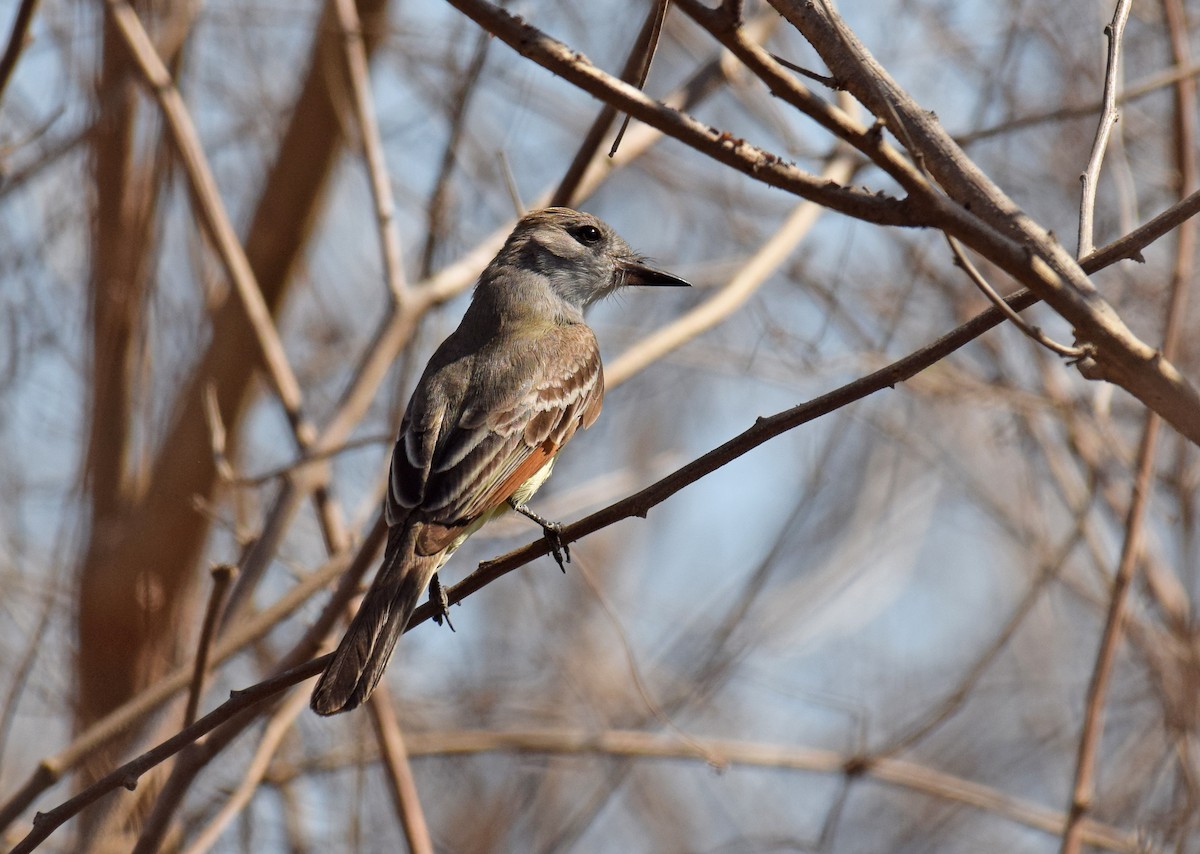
578,255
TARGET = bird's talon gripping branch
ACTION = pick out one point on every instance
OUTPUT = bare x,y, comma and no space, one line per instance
552,531
437,595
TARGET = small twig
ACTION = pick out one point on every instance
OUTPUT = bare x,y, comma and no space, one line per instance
460,105
510,184
1108,119
963,262
568,188
222,576
310,457
216,430
16,42
368,127
823,79
647,43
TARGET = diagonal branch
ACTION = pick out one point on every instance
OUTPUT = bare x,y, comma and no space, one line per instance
736,153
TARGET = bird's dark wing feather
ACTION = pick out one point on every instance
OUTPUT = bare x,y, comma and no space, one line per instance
451,474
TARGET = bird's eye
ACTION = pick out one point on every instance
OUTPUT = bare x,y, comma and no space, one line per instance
588,235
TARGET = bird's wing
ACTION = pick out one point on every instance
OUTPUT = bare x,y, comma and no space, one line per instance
450,474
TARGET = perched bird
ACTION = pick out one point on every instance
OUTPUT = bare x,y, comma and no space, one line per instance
497,402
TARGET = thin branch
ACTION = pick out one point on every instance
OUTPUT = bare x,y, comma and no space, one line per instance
461,103
355,53
1131,245
648,44
222,576
127,775
590,145
1108,119
964,263
16,42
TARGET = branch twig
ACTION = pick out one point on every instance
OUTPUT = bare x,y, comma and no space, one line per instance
1108,119
988,291
222,576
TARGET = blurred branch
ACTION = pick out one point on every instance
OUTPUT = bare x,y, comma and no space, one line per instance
1137,90
222,576
212,211
839,169
16,42
1108,119
1181,280
368,131
439,197
895,772
403,788
277,726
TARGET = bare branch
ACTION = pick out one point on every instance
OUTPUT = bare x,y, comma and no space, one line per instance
1108,119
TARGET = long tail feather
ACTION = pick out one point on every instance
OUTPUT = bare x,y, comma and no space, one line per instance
367,646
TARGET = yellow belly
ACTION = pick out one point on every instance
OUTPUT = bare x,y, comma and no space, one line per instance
523,493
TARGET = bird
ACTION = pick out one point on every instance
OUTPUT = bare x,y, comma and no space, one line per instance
497,402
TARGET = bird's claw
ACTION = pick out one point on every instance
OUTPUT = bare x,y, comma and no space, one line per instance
560,551
552,531
441,602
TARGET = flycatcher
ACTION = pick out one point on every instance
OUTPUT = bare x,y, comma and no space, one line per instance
496,403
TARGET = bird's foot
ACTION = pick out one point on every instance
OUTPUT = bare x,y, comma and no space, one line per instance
437,595
552,531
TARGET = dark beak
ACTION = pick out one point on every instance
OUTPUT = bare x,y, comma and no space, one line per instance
637,273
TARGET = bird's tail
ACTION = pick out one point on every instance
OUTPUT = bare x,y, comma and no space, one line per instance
363,654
